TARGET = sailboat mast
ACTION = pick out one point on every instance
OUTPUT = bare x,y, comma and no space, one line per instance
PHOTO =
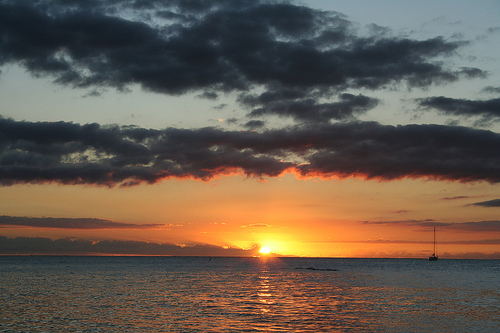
434,240
434,256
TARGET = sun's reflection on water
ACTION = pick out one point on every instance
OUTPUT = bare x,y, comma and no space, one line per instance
264,294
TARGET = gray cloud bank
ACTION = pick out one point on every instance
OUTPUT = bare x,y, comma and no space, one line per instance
489,203
67,246
300,57
392,241
69,153
72,223
481,226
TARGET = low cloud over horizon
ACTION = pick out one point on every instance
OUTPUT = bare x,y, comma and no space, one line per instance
72,223
427,224
400,241
68,246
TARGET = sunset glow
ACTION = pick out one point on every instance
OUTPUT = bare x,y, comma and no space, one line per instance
319,128
264,250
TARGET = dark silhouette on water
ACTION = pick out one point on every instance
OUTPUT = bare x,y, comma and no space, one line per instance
317,269
434,257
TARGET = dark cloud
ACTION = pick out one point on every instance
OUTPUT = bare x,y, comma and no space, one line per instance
425,222
220,106
456,197
482,226
400,241
491,89
72,223
487,110
253,124
308,109
27,245
215,46
68,153
387,152
210,95
489,203
232,120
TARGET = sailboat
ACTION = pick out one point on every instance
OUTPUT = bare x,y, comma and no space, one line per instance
434,256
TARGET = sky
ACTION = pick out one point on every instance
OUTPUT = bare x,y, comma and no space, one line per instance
311,128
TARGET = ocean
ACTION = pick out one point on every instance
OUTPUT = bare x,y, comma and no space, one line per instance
201,294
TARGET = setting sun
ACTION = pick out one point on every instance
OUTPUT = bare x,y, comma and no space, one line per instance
264,250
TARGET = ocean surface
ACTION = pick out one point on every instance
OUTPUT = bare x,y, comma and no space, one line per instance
201,294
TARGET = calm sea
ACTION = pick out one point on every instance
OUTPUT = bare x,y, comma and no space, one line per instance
199,294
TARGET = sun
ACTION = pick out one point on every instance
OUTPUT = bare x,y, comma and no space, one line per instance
264,250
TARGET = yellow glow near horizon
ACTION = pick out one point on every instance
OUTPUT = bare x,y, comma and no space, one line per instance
264,250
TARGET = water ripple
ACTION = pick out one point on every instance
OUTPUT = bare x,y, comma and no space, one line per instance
155,294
